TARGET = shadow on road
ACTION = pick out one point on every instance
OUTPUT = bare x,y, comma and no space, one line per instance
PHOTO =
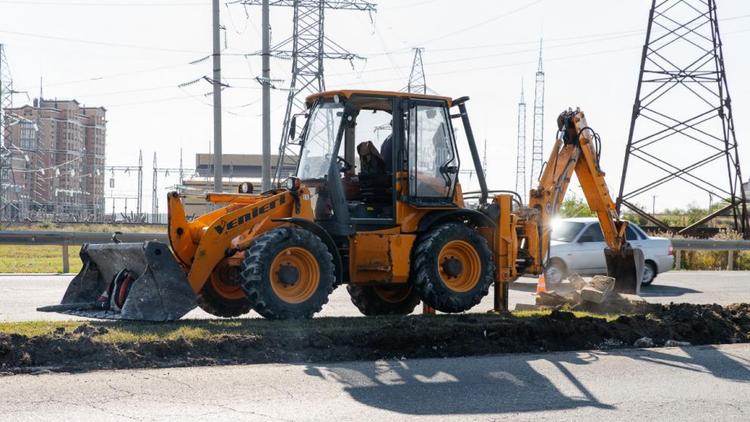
503,384
656,290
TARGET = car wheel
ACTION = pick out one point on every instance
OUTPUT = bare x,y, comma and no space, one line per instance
555,272
649,273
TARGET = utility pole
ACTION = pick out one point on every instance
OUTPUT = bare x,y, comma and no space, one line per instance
266,76
218,177
139,203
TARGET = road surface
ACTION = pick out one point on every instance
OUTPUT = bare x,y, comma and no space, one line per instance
691,383
20,295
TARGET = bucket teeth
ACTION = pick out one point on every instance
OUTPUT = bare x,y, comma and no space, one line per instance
157,291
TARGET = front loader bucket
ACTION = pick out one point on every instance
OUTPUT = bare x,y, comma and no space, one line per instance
626,267
131,281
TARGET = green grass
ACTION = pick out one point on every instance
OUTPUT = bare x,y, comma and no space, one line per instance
48,258
120,332
36,259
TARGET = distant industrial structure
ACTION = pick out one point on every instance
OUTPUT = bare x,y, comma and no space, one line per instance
521,147
54,162
237,168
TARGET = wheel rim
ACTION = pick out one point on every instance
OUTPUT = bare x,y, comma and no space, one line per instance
459,266
228,290
553,274
648,274
393,294
307,275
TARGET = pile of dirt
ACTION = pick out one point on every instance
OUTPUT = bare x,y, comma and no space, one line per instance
387,338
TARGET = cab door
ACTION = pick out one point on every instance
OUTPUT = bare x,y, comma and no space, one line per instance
432,159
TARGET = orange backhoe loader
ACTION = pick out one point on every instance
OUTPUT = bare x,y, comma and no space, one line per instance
375,203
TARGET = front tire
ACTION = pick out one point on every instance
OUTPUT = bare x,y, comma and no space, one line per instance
453,268
400,299
288,273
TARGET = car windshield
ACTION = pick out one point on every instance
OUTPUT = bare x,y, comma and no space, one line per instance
566,231
319,141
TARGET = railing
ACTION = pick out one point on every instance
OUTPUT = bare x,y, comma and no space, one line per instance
66,239
730,246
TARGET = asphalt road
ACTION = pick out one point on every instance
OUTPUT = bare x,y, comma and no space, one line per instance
691,383
20,295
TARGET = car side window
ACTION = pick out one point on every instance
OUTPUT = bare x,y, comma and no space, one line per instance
631,234
592,233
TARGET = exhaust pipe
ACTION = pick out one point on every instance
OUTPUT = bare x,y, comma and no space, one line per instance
128,281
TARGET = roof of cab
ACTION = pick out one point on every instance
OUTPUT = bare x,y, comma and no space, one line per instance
347,93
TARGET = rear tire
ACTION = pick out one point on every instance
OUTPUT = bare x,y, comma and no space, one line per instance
288,273
453,268
649,273
223,299
400,299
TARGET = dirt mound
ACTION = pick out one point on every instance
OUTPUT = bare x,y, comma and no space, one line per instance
330,339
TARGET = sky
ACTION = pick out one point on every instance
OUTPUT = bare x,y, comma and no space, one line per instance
140,59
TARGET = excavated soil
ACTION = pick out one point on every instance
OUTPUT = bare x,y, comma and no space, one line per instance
326,339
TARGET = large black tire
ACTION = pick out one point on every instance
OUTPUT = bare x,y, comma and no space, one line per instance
212,302
400,299
293,251
432,278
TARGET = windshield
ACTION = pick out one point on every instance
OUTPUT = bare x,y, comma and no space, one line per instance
566,231
320,138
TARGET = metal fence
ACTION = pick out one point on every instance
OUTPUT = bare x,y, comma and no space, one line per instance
67,239
75,239
730,246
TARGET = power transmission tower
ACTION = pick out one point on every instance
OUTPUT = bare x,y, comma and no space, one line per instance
6,156
309,47
417,82
682,141
521,147
537,142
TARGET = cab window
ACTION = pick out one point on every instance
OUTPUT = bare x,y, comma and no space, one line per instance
432,158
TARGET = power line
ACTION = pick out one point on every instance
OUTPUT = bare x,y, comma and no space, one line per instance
102,43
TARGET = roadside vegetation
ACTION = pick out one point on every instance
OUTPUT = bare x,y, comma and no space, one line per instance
48,258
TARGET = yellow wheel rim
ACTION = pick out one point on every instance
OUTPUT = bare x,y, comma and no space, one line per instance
226,290
459,266
307,270
393,294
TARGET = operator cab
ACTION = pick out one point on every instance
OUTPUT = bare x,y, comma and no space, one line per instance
363,151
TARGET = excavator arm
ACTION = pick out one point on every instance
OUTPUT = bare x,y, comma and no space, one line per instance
576,151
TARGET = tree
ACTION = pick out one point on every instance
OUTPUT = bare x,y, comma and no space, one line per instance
574,206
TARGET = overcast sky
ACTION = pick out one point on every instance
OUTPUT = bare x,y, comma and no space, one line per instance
130,57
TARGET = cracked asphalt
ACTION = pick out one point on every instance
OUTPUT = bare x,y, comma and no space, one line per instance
20,295
691,383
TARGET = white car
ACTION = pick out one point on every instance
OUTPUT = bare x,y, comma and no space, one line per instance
578,246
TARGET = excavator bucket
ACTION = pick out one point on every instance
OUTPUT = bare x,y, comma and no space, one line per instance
626,267
129,281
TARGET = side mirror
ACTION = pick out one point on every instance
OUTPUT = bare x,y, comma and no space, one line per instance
584,239
293,127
